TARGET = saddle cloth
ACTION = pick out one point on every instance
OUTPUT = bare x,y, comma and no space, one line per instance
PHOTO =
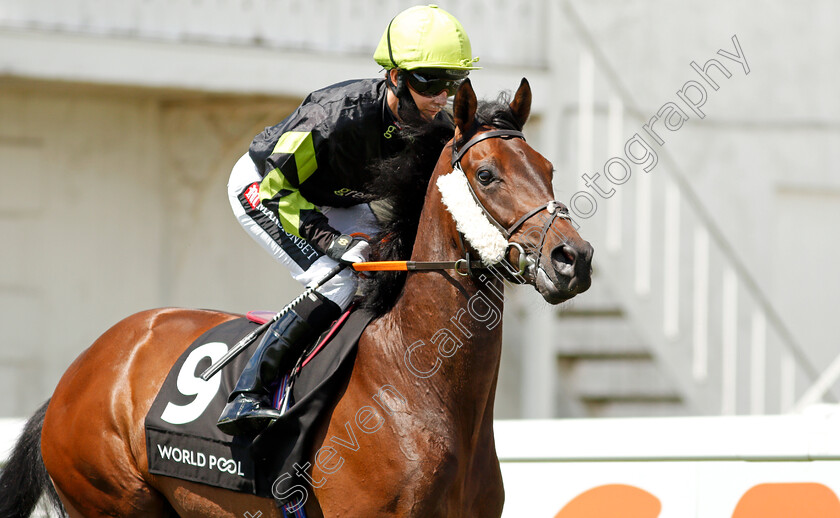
182,440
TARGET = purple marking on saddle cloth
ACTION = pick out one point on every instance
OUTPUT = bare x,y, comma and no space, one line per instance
287,513
280,392
261,317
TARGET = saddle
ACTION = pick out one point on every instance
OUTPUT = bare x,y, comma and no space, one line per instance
182,440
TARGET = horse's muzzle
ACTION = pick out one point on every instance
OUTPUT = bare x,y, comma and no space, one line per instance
568,272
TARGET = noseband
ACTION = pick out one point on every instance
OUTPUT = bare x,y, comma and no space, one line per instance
555,209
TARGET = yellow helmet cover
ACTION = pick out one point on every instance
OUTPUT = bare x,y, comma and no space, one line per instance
425,37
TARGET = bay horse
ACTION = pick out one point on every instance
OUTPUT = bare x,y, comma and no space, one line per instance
431,453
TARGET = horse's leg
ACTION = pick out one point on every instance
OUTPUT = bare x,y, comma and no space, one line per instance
485,494
92,441
71,511
194,500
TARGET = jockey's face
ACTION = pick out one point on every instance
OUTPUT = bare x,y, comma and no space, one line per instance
428,106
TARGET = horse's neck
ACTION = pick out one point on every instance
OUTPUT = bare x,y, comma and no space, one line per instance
458,320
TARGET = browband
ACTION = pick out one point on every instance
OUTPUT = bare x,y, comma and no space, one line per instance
457,154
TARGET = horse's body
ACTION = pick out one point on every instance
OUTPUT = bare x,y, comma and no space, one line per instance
424,448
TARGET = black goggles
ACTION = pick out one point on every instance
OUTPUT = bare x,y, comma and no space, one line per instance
430,86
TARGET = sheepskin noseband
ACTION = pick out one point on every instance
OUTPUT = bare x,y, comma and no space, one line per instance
469,218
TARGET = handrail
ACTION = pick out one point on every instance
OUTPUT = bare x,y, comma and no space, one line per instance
692,199
821,386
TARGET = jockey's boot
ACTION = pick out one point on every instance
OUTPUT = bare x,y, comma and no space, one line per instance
249,409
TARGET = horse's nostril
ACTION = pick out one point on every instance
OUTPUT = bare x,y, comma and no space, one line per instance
570,254
563,254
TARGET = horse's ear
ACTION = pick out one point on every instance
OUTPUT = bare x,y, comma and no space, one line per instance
521,104
464,106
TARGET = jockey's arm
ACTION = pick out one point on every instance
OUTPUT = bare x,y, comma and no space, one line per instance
299,217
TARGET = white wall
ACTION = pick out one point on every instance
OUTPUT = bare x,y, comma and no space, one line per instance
113,202
701,467
763,161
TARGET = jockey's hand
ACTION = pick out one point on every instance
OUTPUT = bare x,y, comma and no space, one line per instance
349,249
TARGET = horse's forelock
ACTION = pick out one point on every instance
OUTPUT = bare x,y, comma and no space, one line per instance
498,114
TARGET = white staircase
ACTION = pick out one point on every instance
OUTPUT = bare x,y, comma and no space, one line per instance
604,367
675,323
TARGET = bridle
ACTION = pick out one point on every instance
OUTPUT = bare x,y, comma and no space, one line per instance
555,209
465,266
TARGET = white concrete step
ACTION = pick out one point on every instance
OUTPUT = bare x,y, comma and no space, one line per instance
629,379
616,408
597,336
597,299
605,368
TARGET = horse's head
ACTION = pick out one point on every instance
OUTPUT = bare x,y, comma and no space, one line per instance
514,222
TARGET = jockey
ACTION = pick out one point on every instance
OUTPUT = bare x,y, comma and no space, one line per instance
300,189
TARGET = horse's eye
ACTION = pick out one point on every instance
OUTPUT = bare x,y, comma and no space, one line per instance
484,177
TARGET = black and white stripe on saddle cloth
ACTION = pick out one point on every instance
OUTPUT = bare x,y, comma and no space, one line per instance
182,440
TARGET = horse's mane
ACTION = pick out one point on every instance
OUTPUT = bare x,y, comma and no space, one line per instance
401,183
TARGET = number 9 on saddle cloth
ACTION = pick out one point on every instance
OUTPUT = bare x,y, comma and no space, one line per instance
182,438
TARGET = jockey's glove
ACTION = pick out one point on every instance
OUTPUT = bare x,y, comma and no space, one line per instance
349,249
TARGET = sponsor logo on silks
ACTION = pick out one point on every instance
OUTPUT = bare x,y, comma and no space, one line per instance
389,131
200,460
299,242
349,192
252,194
